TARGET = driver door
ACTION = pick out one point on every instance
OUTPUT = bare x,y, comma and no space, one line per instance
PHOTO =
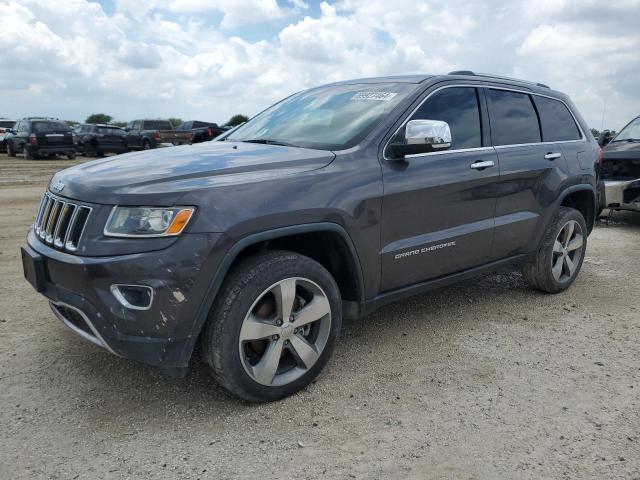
438,208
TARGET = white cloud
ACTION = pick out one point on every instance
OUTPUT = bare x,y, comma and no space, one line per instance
169,58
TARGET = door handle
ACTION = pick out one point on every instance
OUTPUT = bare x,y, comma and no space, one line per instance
482,165
552,156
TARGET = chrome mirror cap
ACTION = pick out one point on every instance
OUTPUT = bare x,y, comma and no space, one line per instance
434,133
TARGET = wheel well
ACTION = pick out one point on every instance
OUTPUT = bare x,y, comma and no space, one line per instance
327,248
584,202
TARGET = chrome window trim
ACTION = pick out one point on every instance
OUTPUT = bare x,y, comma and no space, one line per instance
442,152
115,291
467,85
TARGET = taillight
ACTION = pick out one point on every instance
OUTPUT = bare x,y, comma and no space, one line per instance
32,139
210,132
600,156
156,135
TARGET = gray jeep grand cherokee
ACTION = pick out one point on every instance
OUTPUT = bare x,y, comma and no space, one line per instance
326,205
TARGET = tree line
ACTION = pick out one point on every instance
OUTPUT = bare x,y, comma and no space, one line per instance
105,119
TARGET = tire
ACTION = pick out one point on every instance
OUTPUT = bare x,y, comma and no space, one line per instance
28,154
237,351
558,260
10,150
71,156
146,145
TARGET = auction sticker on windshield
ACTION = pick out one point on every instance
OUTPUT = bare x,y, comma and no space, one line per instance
375,96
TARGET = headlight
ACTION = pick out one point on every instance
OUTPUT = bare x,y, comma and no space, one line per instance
147,221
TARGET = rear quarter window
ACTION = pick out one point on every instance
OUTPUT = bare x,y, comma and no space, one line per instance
513,118
557,122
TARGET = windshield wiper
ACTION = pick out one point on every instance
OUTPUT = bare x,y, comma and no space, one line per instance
266,141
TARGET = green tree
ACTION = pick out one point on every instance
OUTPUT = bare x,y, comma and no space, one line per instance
119,124
175,121
99,118
237,119
595,132
71,123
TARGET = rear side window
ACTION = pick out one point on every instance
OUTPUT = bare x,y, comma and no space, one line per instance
459,108
50,127
110,131
557,122
513,118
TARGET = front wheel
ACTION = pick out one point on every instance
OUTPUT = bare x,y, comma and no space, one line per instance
273,327
558,260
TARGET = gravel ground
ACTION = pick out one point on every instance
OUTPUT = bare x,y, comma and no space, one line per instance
485,379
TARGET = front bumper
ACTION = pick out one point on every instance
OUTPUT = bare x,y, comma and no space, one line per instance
79,291
622,194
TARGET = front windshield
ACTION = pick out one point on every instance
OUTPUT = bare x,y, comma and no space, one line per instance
629,133
326,118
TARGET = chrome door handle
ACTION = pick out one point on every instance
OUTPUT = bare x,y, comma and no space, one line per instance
552,156
482,165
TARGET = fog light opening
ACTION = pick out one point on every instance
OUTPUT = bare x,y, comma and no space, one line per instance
134,297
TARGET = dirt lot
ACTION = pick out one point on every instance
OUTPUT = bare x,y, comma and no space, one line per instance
485,379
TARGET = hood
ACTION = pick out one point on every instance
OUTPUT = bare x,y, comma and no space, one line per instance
167,173
622,150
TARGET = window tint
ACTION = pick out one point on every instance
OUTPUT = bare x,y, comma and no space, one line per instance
50,127
557,123
513,118
157,125
459,108
109,131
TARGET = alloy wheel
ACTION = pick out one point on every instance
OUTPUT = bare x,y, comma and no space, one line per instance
285,331
567,251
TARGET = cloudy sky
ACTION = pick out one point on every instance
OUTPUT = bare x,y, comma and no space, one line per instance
209,59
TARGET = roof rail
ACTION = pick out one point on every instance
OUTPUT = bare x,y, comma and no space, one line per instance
487,75
41,118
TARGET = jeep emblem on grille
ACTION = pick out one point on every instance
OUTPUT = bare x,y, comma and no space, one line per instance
58,186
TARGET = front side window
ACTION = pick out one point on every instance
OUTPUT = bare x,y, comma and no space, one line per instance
557,122
459,108
513,118
334,117
630,133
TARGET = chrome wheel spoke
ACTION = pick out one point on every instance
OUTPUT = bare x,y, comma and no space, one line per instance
571,266
255,329
557,268
303,351
576,243
285,293
557,247
314,310
266,368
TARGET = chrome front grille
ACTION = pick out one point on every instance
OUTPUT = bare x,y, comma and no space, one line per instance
60,222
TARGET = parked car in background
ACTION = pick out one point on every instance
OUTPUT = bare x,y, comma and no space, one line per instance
201,131
620,168
146,134
334,201
5,124
95,140
40,136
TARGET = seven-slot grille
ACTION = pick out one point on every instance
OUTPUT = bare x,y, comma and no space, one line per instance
60,223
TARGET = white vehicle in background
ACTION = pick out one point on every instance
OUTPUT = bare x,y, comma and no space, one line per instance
5,124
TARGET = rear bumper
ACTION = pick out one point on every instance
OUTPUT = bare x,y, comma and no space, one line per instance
79,291
66,149
621,194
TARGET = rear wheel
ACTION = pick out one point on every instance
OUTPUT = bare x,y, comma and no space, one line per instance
71,156
146,145
557,262
28,154
273,327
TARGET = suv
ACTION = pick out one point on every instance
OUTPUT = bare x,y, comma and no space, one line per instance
620,169
330,203
98,139
37,137
5,127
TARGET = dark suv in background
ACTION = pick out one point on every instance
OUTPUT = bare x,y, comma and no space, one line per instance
331,203
37,137
97,139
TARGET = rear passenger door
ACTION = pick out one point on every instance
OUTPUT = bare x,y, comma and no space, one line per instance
531,172
438,207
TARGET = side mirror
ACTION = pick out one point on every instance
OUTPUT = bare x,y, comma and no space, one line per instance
604,138
422,136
